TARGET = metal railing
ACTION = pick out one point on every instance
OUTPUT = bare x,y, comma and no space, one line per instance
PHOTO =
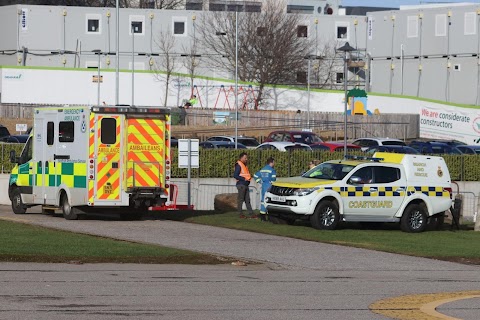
205,195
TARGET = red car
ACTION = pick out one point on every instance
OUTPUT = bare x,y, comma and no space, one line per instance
335,146
305,137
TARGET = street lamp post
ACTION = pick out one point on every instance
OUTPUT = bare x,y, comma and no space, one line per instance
99,52
309,58
346,48
117,51
133,64
236,75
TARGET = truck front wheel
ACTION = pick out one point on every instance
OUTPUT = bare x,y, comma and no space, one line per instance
326,216
17,204
414,218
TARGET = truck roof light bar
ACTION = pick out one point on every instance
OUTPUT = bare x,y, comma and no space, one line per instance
351,157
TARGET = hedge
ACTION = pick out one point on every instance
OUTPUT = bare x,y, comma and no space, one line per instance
219,163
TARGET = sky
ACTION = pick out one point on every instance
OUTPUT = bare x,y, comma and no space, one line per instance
396,3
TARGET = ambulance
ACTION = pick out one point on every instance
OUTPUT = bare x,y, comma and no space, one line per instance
93,159
412,190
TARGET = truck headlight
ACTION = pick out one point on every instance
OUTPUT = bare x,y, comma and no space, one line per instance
304,191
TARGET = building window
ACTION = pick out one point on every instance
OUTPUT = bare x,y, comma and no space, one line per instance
261,31
301,76
194,6
340,77
470,23
456,67
66,132
302,31
93,23
179,26
136,24
252,7
440,25
341,31
412,26
300,9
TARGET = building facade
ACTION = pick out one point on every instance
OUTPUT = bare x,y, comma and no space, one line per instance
429,51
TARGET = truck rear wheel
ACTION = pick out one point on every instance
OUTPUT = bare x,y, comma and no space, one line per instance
69,212
17,204
326,216
414,218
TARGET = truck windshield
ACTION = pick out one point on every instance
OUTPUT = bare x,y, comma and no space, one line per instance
329,171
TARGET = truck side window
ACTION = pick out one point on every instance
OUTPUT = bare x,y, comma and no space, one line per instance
109,131
386,174
50,132
366,175
66,131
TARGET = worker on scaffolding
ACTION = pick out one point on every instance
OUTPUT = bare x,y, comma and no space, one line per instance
190,103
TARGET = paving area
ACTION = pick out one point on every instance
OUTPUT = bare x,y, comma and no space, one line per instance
297,279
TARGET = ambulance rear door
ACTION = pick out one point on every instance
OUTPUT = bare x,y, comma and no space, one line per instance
109,166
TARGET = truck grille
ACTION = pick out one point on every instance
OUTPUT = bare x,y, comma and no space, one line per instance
281,191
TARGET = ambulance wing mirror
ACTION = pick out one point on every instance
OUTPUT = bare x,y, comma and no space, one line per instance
355,180
13,156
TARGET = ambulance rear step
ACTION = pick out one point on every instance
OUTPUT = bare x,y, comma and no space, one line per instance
173,202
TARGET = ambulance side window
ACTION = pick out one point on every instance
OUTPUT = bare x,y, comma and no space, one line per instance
109,131
66,131
27,152
50,132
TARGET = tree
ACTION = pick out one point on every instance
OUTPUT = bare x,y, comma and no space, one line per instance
271,46
191,59
167,62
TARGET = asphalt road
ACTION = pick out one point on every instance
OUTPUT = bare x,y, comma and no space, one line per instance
298,279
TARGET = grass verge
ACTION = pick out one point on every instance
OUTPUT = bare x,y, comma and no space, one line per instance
458,246
27,243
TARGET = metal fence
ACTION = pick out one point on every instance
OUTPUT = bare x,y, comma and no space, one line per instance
469,210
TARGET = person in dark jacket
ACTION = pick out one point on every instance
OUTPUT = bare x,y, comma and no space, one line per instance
243,177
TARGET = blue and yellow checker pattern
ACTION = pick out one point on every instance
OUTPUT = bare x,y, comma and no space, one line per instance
365,191
72,175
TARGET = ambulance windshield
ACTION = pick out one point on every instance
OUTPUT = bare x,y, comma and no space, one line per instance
329,171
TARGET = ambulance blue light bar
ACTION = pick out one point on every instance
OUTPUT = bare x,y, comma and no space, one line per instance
130,110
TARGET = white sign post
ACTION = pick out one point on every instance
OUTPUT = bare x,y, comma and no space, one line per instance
21,127
188,157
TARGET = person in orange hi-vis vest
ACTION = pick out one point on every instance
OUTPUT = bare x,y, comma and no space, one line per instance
243,177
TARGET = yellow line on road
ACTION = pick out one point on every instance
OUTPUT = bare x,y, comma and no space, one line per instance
419,306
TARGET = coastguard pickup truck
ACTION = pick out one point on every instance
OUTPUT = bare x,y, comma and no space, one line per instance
390,187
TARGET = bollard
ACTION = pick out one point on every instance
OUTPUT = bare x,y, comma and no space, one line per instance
477,224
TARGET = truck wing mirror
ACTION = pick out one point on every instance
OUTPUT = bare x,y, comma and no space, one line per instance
355,180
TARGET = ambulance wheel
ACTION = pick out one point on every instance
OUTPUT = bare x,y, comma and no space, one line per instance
69,212
17,204
414,218
326,216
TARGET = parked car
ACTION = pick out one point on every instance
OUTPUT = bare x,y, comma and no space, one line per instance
220,145
249,142
366,143
283,146
335,146
428,147
173,142
4,131
393,149
305,137
475,149
454,143
19,138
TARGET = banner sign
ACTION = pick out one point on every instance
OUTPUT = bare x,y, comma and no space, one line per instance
450,123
